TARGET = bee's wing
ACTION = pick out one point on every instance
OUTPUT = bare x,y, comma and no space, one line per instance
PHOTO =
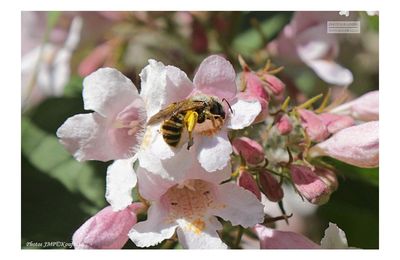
175,108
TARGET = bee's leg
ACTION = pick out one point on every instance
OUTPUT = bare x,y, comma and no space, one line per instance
190,123
212,118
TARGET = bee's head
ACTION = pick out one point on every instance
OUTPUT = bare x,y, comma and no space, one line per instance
217,109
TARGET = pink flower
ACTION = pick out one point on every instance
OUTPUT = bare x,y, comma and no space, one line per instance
162,85
305,39
190,207
334,238
107,229
313,125
364,108
251,151
270,186
246,180
114,129
357,145
309,184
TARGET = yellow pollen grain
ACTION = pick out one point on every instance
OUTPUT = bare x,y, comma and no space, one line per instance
197,226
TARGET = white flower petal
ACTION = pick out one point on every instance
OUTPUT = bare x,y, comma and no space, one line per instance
162,85
334,238
86,137
191,237
241,206
216,77
198,172
107,91
331,72
152,186
121,178
214,151
154,230
244,113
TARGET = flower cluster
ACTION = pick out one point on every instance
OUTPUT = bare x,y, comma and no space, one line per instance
186,146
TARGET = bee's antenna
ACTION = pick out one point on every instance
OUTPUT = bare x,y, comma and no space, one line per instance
229,105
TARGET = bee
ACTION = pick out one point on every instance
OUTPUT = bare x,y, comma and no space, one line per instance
201,114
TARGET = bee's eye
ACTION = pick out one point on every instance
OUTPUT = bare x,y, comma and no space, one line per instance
217,109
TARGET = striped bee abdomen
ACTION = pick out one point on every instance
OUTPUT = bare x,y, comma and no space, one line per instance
171,129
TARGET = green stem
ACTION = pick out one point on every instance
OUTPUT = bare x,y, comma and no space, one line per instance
238,238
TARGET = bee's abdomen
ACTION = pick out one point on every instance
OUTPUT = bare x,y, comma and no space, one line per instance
171,129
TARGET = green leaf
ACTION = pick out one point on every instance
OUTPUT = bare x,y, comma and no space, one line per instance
251,40
368,175
46,154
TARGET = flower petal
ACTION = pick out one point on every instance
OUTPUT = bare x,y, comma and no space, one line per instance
244,113
216,77
334,238
241,206
162,85
331,72
153,230
357,145
202,236
364,108
121,178
106,230
107,91
91,137
209,146
275,239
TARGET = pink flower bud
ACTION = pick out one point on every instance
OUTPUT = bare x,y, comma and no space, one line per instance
357,145
328,177
247,181
335,123
284,125
270,186
254,86
251,151
364,108
313,125
276,86
107,229
309,185
275,239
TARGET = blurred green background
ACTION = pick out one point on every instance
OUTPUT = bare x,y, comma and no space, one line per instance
59,193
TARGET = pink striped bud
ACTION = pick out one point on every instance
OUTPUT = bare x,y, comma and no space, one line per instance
334,123
313,125
107,229
309,185
250,150
356,145
276,239
364,108
247,181
270,186
254,86
328,177
274,84
284,125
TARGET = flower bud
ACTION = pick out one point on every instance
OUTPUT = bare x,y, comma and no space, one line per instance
335,123
270,186
313,125
247,181
328,177
276,239
107,229
356,145
284,125
309,185
250,150
274,84
364,108
254,85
